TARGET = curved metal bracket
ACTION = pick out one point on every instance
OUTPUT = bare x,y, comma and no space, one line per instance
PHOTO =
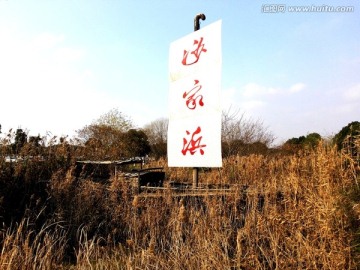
197,21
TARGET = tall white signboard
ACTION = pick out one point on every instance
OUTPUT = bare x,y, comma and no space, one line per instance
194,134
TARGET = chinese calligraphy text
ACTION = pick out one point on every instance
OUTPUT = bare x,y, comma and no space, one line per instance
194,143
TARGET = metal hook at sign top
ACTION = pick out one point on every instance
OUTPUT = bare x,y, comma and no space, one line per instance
197,21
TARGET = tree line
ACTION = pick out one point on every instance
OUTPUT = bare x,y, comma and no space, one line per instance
113,136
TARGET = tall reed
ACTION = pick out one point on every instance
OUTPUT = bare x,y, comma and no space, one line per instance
296,211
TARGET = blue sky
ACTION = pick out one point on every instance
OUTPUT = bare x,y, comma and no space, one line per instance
64,63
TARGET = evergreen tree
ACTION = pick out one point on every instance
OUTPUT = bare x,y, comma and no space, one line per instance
347,133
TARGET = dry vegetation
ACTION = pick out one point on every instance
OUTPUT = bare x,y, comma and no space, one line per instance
296,211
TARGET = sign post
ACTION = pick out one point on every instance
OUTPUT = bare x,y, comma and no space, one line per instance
201,16
194,134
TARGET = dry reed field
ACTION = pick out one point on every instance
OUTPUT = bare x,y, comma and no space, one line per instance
298,211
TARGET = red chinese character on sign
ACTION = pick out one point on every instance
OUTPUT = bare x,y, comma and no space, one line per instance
192,96
195,53
193,144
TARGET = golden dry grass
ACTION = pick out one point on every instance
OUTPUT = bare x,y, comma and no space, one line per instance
287,212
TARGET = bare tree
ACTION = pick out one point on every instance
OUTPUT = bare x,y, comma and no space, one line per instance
156,132
239,131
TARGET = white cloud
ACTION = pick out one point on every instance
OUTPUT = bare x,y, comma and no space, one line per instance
256,90
251,105
45,86
228,97
297,87
253,96
42,90
252,90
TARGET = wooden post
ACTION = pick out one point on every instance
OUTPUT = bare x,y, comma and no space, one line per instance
195,183
138,184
